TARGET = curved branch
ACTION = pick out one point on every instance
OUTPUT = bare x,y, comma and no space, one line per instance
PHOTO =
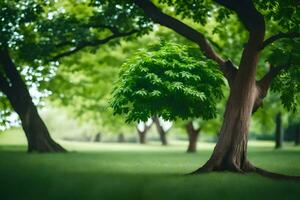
265,82
92,44
165,20
279,36
228,69
254,22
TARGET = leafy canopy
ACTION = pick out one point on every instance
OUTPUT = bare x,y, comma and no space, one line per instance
168,80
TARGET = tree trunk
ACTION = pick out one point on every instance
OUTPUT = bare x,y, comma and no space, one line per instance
161,132
142,133
193,137
121,138
38,137
278,132
297,135
142,137
97,137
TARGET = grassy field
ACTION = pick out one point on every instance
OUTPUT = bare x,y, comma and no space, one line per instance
132,171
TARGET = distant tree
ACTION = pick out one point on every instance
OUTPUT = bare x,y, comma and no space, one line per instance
162,127
142,129
193,134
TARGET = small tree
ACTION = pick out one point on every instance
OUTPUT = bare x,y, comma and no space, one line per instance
167,81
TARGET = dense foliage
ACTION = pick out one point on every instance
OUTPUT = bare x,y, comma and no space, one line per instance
170,81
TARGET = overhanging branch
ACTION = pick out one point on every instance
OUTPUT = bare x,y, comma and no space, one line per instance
165,20
265,82
228,69
93,43
279,36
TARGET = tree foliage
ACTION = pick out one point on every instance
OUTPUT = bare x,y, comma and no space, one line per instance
168,80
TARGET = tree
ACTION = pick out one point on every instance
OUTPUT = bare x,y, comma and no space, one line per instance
34,33
193,134
162,128
18,19
272,119
246,93
278,131
158,79
142,129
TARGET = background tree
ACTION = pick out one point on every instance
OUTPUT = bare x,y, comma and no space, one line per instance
142,129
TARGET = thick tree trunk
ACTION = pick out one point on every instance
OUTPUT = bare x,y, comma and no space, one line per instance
192,136
37,134
297,135
38,137
162,133
278,132
230,152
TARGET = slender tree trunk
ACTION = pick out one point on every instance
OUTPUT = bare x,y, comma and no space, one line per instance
97,137
142,134
161,132
142,137
278,132
193,137
121,138
38,137
297,135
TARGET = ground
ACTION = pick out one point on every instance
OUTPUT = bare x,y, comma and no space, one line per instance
132,171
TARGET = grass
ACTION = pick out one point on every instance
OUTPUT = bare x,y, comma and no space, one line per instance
132,171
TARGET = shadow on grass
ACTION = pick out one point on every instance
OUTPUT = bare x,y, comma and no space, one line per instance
139,175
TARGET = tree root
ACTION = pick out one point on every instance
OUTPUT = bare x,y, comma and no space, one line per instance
46,147
274,175
247,168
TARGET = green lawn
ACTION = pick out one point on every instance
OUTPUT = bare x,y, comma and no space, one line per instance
132,171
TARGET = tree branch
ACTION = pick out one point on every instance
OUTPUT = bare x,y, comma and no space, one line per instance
279,36
91,44
165,20
228,69
265,82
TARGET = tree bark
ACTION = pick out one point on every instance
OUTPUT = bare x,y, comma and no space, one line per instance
278,131
193,137
162,133
230,152
297,135
38,137
142,137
